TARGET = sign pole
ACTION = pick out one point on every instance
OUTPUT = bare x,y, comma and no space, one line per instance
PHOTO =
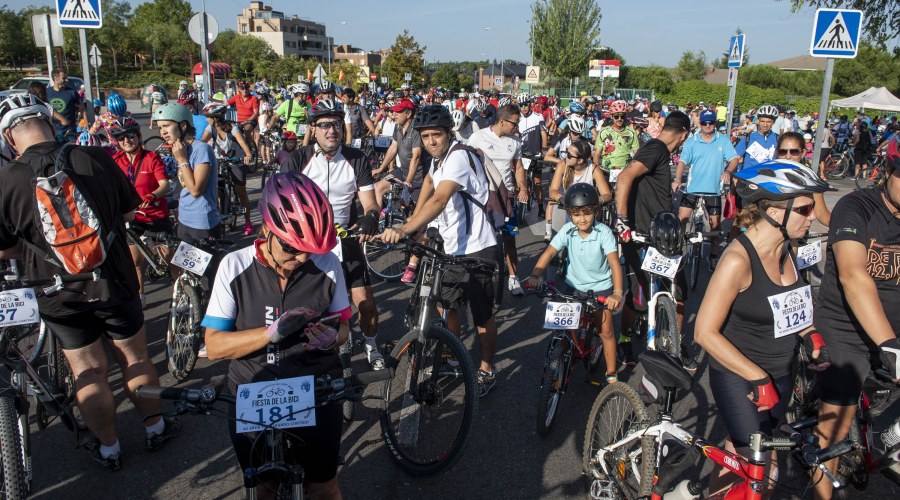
97,77
49,46
204,55
601,81
729,120
823,109
86,73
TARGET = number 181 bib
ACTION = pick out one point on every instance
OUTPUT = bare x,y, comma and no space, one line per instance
792,311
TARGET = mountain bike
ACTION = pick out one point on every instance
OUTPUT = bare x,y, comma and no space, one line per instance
873,173
269,170
698,222
529,162
581,343
837,163
273,440
430,405
388,261
627,455
230,208
54,392
269,144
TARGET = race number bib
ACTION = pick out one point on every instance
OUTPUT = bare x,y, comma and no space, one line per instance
614,174
302,128
809,255
382,142
526,163
792,311
658,263
18,307
191,259
281,404
562,316
356,143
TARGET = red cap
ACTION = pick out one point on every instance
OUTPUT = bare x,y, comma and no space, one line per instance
403,104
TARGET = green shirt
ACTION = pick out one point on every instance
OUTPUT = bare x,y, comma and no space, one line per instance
298,113
616,146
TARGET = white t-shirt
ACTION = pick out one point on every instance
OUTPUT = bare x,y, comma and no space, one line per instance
387,127
464,134
470,105
503,152
462,236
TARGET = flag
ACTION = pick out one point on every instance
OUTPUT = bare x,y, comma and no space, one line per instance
308,74
341,77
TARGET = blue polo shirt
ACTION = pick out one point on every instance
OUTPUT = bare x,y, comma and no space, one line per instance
707,160
588,265
756,148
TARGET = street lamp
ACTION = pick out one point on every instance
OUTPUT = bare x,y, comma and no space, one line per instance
327,34
502,47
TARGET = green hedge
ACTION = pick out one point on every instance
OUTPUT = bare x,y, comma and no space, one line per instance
128,79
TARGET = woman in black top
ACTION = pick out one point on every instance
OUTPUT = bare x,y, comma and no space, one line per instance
756,305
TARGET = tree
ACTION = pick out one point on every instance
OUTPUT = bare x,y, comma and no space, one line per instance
466,82
406,57
17,40
691,66
881,17
872,67
114,36
562,41
445,77
177,12
652,77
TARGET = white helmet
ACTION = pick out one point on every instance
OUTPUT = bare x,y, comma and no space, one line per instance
20,107
768,111
505,101
182,82
298,88
576,124
459,119
480,106
405,86
523,98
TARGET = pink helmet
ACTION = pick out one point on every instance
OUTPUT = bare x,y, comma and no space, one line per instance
297,211
617,107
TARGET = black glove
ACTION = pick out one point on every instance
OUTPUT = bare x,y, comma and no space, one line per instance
368,224
812,342
890,356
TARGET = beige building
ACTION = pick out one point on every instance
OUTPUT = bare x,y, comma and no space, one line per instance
286,35
357,56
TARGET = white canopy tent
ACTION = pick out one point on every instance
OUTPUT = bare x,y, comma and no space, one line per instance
874,98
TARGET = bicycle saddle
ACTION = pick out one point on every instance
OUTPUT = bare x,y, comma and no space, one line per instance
666,369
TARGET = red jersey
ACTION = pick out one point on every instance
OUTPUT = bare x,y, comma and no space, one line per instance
145,174
245,108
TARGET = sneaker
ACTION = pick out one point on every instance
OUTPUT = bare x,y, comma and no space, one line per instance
111,463
248,228
624,355
375,357
852,177
548,236
143,301
486,381
514,286
611,379
409,275
541,212
202,352
173,425
687,360
713,262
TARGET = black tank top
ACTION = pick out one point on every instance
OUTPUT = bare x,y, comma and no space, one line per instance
750,324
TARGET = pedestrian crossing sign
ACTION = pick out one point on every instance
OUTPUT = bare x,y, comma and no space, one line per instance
736,51
79,13
836,33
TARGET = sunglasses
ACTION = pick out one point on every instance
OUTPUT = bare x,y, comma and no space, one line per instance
792,152
618,116
285,247
129,135
338,125
804,210
514,124
707,123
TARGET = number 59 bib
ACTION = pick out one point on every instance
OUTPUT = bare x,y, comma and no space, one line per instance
792,311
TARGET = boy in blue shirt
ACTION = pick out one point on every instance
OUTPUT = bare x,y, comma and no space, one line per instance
593,263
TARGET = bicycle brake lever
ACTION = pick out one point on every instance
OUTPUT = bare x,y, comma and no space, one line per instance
830,477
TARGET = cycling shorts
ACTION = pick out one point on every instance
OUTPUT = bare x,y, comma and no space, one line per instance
841,383
741,415
253,124
713,203
118,322
239,173
637,296
318,453
463,287
824,154
356,273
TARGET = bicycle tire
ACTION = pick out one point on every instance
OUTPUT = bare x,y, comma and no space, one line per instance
402,427
805,394
345,352
833,170
153,143
13,469
63,386
668,335
182,339
592,338
625,422
253,164
552,380
30,340
694,254
387,262
499,277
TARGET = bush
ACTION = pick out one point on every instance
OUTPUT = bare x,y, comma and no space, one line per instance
747,96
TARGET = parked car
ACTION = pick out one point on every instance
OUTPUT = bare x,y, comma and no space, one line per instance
21,86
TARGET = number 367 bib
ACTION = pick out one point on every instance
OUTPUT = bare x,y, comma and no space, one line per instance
792,311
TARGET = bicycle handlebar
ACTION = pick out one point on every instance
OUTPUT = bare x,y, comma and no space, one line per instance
688,238
452,259
548,290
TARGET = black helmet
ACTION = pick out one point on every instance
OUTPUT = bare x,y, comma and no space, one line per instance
666,233
581,195
433,115
325,107
656,106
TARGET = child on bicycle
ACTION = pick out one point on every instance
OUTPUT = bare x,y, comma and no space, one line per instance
593,263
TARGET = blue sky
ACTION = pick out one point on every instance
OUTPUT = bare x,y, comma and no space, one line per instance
643,32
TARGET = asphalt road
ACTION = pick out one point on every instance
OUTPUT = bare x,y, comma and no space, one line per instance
504,459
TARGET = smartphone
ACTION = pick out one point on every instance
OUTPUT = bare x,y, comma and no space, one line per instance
333,321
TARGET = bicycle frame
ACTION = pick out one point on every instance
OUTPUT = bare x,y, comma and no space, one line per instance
656,291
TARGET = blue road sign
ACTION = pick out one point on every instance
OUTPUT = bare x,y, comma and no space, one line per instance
836,33
736,51
79,13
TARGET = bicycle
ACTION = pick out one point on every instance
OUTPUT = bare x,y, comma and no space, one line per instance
581,343
837,163
622,446
154,143
428,390
809,256
388,261
273,440
873,173
270,142
529,161
698,222
230,208
54,394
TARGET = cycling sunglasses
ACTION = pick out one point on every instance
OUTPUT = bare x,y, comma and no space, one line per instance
804,210
618,115
327,125
785,152
127,135
285,247
707,123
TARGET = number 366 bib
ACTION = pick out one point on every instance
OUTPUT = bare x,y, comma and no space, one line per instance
792,311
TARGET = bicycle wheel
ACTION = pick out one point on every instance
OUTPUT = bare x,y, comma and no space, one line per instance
153,143
866,178
805,394
384,260
694,253
852,468
592,339
500,276
426,428
253,164
833,170
667,337
13,469
345,352
617,412
552,380
29,339
183,337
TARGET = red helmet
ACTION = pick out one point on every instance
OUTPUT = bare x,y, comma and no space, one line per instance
542,100
297,211
187,97
288,136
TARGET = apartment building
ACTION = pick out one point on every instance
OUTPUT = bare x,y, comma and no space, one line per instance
357,56
286,34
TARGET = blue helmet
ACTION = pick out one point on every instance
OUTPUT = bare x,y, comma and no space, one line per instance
116,104
708,116
778,180
98,103
577,107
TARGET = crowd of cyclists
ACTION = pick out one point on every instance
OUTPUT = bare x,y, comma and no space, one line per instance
280,308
